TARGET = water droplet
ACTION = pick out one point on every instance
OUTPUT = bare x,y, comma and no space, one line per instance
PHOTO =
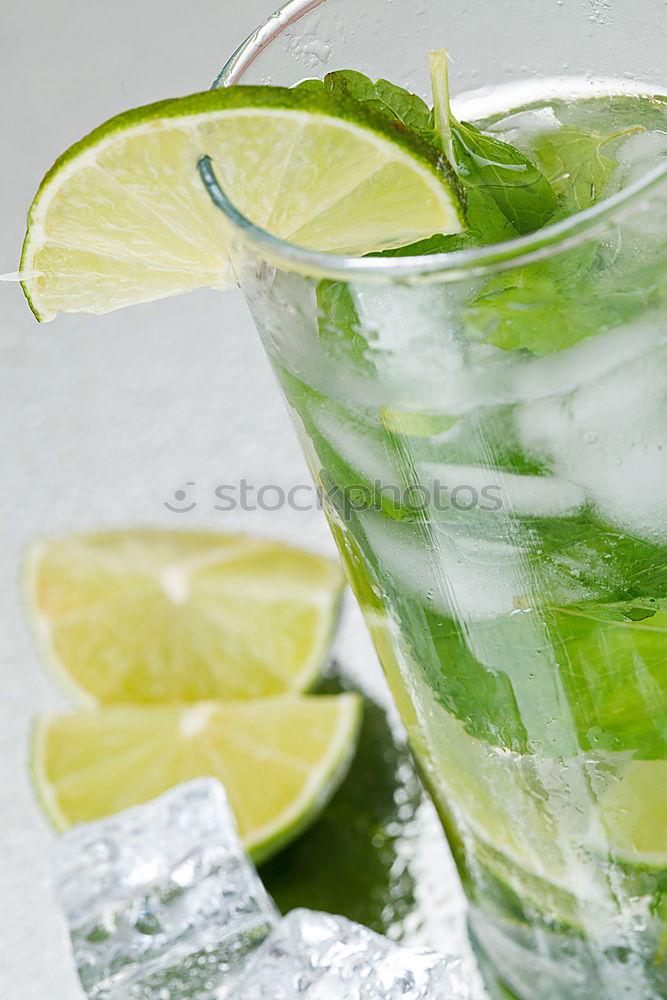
318,48
600,12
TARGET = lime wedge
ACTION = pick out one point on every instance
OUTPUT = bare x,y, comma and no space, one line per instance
123,217
407,423
633,811
280,759
154,616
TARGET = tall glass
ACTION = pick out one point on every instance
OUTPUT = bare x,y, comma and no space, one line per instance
502,512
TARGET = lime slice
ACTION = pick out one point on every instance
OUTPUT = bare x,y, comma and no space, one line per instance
280,759
123,217
633,811
155,616
409,423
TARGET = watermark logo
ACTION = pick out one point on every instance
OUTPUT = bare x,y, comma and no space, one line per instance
348,498
181,502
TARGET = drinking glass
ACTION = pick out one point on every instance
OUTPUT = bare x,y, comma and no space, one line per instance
493,466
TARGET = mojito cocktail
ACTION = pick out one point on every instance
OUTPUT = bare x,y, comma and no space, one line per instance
492,454
465,303
489,437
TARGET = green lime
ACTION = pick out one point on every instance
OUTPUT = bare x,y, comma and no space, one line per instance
280,759
633,811
123,217
409,423
144,616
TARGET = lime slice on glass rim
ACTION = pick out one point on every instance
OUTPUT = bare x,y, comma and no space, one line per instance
280,759
123,216
140,616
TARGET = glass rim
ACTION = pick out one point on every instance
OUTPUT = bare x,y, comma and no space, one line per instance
555,238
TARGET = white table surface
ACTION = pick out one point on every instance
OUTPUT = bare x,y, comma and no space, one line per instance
104,419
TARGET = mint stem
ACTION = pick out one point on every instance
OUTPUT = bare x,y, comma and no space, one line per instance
622,132
438,61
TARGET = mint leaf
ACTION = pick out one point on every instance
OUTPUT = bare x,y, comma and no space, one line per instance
539,307
507,194
406,107
434,244
395,102
551,305
488,224
338,325
577,167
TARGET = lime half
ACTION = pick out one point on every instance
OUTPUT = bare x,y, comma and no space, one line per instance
280,760
153,616
123,217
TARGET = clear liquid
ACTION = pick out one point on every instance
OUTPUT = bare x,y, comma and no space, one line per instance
520,609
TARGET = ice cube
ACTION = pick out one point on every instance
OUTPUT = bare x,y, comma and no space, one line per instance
359,445
161,900
524,496
411,330
460,576
497,377
609,438
522,128
639,154
321,957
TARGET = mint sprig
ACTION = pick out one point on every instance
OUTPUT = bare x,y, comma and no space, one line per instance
508,195
542,307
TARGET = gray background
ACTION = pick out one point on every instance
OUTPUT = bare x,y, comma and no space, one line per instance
104,419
